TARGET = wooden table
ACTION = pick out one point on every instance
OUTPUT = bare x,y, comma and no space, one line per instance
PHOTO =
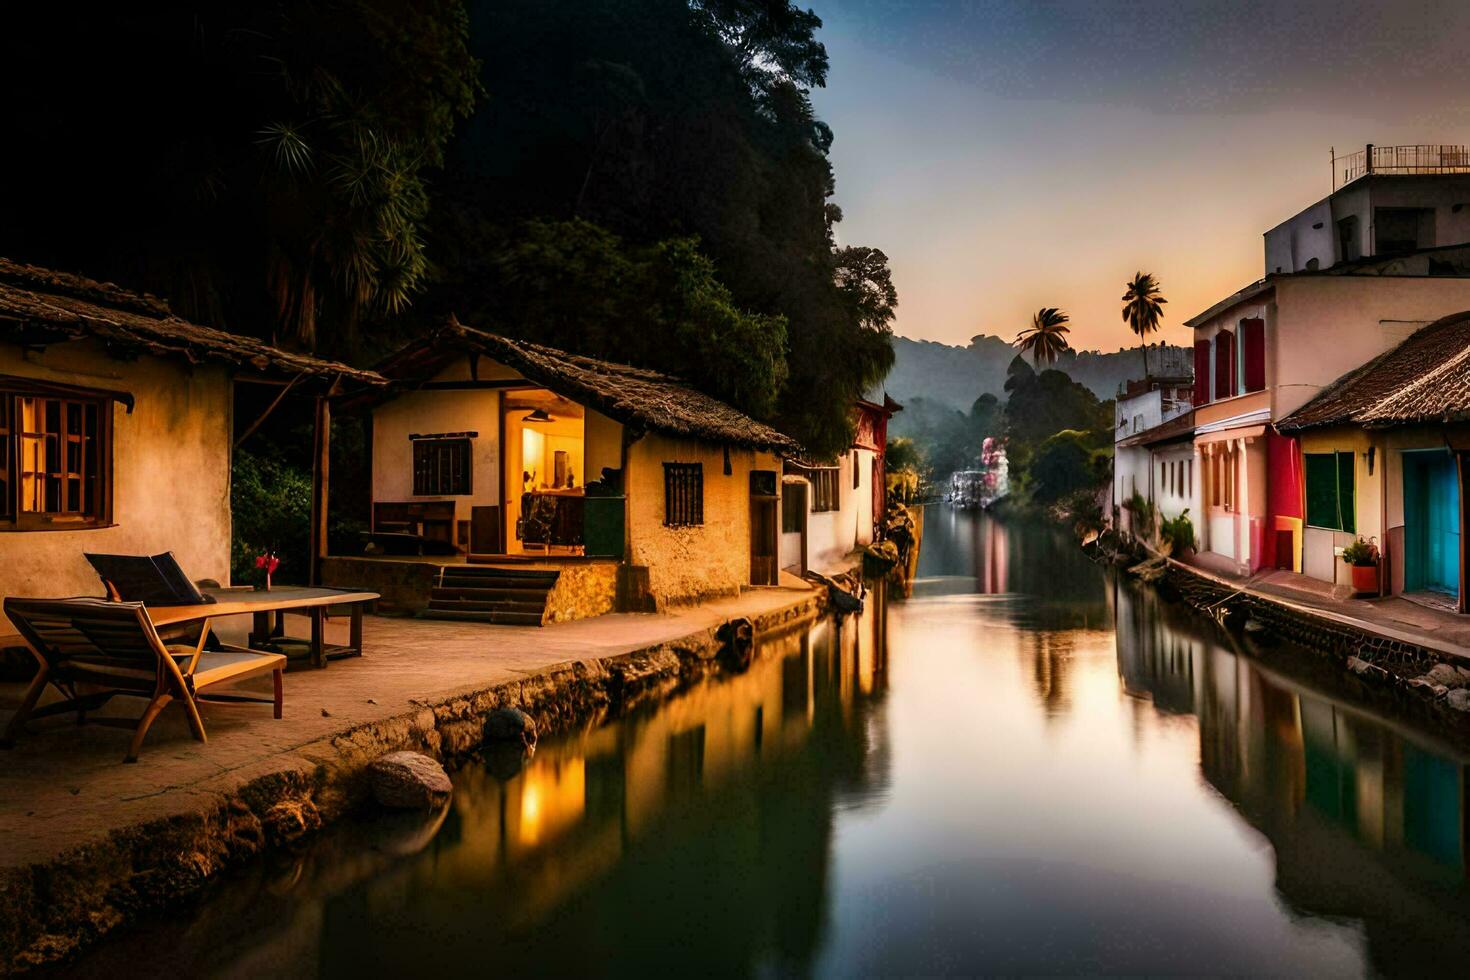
266,606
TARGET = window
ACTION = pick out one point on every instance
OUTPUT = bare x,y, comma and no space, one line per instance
824,489
1402,229
1330,502
857,473
441,467
1347,239
55,459
683,494
1189,478
1224,365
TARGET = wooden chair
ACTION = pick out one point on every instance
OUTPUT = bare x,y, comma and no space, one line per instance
92,650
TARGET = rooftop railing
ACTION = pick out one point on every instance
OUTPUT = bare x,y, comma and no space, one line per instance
1418,158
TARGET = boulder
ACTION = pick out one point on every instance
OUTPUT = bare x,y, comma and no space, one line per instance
1447,675
1459,699
510,725
409,781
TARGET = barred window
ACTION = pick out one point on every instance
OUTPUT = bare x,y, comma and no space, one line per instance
824,489
441,468
55,456
683,494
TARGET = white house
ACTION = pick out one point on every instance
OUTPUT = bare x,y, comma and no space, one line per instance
1139,410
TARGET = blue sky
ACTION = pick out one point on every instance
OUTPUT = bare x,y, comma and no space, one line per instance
1012,155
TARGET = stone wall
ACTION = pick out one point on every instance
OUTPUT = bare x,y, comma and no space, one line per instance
582,590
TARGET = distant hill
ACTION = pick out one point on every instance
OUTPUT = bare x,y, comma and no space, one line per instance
956,376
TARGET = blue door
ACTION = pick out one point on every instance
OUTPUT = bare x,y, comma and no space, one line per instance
1431,522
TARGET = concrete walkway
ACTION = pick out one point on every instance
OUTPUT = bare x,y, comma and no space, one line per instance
1393,617
65,785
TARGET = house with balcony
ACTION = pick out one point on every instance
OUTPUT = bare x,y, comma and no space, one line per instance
515,483
1385,200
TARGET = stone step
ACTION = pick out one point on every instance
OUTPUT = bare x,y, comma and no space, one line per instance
496,618
490,594
548,576
520,584
486,605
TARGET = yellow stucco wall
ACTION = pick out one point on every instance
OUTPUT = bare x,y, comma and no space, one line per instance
171,472
1318,557
686,564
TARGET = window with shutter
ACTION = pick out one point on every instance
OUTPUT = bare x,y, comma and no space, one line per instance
1331,501
1201,372
1253,353
55,460
1224,364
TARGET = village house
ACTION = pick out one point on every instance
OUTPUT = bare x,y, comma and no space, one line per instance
1263,352
516,483
829,511
1157,472
117,425
1384,453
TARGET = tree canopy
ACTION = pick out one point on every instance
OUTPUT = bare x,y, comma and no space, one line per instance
336,173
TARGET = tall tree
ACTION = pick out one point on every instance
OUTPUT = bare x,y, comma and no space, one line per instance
1046,338
1143,307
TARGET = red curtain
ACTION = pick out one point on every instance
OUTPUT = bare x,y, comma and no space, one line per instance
1253,345
1201,372
1224,364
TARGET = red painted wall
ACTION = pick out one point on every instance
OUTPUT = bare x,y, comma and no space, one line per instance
1283,490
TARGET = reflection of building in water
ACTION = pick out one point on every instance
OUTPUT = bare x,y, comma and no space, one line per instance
1368,818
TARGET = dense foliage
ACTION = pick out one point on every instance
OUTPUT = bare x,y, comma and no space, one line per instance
262,165
337,173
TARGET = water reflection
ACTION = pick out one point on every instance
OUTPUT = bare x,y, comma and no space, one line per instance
1367,817
1029,767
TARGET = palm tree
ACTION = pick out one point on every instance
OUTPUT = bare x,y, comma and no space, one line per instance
1142,309
1046,337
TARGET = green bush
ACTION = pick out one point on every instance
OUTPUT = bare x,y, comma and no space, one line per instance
1361,553
270,501
1178,532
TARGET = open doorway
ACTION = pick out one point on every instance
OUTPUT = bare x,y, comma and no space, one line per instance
543,473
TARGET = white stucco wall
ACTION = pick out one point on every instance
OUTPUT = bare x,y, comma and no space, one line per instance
170,472
833,535
427,412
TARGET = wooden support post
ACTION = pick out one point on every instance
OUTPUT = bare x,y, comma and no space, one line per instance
320,463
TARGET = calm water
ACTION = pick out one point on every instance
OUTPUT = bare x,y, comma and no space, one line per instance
1027,767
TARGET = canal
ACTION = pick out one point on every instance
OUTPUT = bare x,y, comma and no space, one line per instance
1027,767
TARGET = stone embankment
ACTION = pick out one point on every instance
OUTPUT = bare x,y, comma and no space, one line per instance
50,910
1425,682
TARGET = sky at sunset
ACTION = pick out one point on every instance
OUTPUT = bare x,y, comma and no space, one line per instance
1018,154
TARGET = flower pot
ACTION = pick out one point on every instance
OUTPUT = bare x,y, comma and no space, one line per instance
1365,578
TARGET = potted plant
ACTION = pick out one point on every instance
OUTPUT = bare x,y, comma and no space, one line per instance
1362,558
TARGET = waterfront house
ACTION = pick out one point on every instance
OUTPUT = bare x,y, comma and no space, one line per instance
1140,408
516,483
1384,453
830,510
116,429
1265,350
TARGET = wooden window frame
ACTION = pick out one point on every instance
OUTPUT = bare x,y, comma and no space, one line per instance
826,489
683,494
430,476
77,459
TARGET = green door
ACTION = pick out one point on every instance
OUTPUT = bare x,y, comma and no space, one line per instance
1431,522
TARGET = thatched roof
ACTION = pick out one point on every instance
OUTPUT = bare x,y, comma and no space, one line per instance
636,397
1425,379
41,306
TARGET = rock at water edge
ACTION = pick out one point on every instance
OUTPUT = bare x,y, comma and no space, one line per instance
409,781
